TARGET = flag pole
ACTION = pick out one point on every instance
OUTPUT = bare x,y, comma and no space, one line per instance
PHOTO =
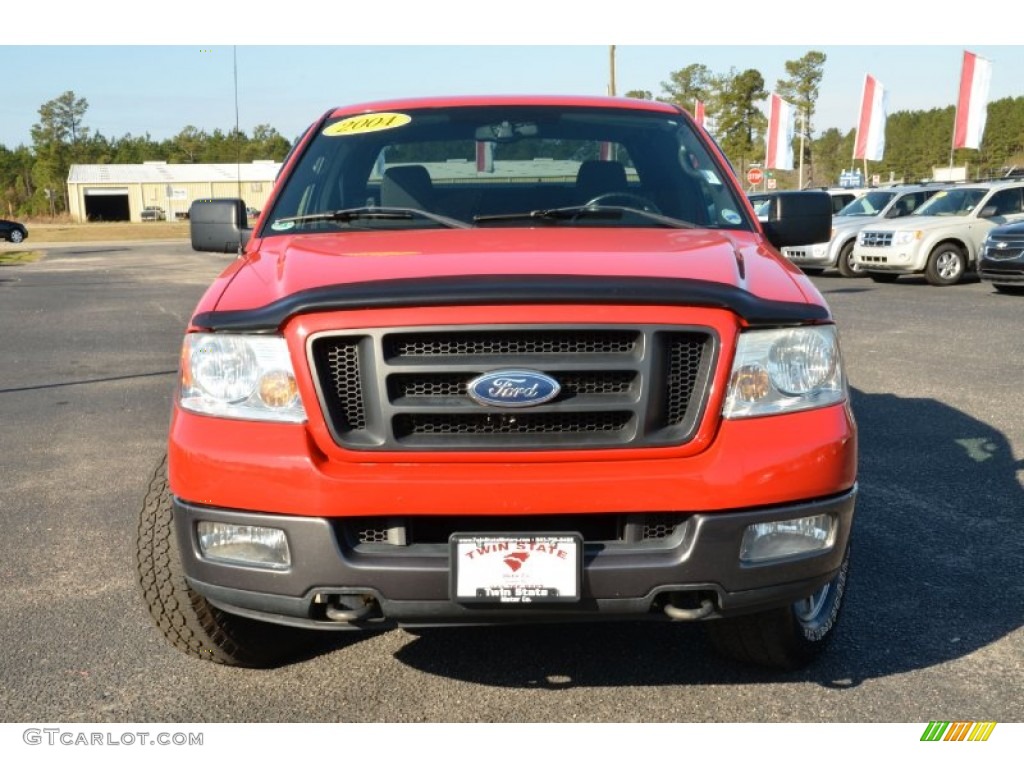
803,130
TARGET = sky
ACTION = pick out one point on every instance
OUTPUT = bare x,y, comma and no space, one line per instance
156,75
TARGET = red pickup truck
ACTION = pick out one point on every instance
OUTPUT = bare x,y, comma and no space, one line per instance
500,360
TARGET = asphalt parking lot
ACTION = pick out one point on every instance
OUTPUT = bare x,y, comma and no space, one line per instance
933,623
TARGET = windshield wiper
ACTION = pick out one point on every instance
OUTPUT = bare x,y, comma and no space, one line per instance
375,212
573,212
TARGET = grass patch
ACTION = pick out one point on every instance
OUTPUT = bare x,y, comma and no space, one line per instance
105,231
18,257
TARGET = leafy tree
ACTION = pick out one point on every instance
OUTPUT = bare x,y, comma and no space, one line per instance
739,122
687,85
56,140
645,95
267,144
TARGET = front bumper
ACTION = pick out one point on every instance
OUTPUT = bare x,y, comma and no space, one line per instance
697,565
817,255
1002,272
902,260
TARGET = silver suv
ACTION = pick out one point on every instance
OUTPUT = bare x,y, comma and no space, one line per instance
873,207
943,238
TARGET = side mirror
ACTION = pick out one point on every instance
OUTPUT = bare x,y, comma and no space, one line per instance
219,225
987,212
798,218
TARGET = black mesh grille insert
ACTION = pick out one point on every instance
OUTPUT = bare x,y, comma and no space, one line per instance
685,354
436,529
508,423
510,343
342,385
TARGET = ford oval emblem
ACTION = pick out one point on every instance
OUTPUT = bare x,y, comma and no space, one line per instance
513,389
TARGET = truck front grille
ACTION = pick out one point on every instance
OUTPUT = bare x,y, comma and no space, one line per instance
396,389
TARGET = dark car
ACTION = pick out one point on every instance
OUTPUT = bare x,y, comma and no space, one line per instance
12,231
1001,260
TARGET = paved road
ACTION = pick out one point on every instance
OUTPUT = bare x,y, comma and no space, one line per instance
933,625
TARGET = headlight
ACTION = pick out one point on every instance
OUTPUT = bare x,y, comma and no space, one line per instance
790,369
907,236
240,377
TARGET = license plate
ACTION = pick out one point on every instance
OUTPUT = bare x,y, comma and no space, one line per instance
516,569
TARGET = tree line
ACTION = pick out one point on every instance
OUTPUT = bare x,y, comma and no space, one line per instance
915,141
33,179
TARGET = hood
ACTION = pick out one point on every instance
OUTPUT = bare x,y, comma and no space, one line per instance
300,273
923,223
850,224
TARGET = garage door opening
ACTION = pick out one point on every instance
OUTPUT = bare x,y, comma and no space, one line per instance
107,205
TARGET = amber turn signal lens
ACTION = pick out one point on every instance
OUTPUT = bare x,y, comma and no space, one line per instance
278,389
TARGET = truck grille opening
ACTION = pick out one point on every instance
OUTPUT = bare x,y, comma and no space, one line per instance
398,390
634,528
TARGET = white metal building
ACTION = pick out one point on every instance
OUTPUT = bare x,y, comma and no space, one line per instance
120,192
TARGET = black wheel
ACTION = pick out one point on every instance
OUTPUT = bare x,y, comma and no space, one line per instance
946,265
185,617
16,236
623,198
883,277
845,262
788,637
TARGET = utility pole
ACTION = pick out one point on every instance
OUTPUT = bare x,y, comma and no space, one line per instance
611,67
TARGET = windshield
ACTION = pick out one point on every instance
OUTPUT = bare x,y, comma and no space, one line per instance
870,204
506,166
952,202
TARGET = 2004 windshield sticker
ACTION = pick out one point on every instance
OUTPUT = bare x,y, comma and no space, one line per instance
378,121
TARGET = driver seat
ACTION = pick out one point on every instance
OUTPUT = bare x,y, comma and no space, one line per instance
599,177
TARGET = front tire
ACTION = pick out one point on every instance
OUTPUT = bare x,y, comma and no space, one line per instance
845,263
185,617
789,637
16,236
946,265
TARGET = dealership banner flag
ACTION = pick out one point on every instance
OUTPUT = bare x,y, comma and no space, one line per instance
972,103
485,157
870,141
779,150
698,113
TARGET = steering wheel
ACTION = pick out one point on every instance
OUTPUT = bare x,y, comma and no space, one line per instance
628,199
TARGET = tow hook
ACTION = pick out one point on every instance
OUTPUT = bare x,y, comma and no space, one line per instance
689,614
350,607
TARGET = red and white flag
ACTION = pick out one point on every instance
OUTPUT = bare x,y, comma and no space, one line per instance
870,141
972,104
485,157
779,150
698,113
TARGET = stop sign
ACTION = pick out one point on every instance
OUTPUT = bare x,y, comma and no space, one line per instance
755,176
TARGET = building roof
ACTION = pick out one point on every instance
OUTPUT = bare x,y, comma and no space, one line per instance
173,173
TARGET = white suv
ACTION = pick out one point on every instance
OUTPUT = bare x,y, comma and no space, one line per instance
943,238
874,207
